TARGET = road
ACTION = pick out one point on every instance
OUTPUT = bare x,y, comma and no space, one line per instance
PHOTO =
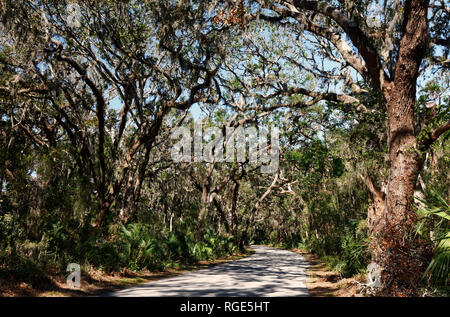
268,272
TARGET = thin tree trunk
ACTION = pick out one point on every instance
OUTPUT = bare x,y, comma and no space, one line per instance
244,235
222,214
234,218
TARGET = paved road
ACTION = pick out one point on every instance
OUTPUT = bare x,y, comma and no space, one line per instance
268,272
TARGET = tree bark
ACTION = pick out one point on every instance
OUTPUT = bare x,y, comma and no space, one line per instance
400,254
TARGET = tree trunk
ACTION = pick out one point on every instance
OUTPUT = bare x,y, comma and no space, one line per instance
104,209
234,218
400,254
397,251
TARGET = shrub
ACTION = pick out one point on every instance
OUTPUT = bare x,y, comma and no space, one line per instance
434,224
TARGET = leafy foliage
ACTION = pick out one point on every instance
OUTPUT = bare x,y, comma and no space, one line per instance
434,223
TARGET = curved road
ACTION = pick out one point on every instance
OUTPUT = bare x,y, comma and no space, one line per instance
268,272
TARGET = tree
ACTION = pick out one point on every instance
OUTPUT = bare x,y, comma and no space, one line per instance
105,82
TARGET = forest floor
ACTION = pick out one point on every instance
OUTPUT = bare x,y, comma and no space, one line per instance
323,282
96,282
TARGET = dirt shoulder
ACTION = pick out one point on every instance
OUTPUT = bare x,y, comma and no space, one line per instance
96,282
322,282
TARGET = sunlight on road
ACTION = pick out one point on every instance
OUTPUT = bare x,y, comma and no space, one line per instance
268,272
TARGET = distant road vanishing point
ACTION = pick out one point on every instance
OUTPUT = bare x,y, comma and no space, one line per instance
268,272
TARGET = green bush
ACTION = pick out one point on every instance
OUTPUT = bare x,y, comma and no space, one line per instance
354,255
434,225
103,255
139,249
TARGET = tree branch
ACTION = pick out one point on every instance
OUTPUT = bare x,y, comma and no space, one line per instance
434,135
357,36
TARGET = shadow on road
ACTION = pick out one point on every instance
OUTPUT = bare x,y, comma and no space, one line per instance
269,272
